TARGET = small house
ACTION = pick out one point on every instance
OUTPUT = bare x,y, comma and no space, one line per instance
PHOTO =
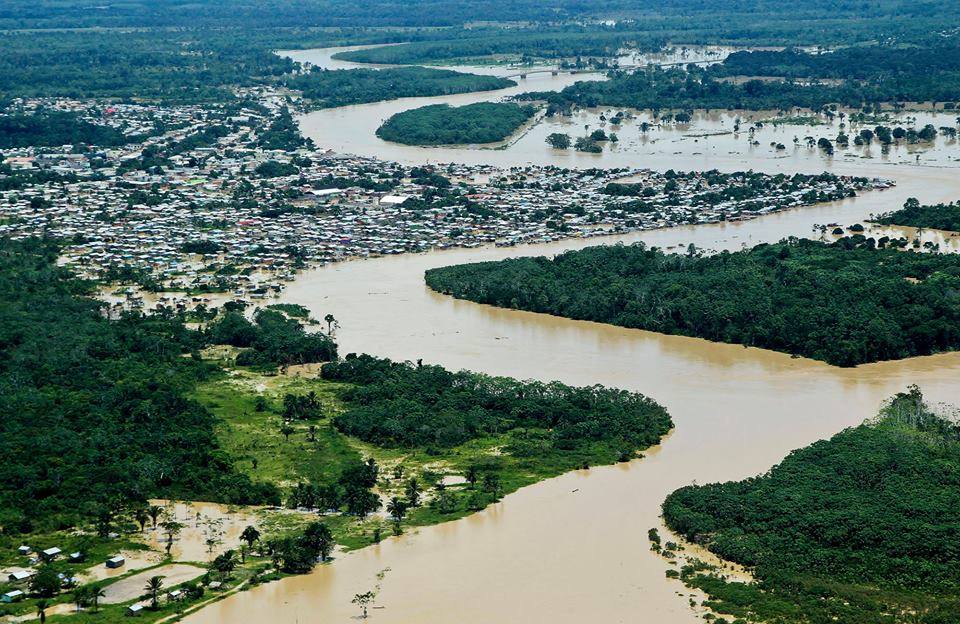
175,595
77,557
135,610
20,576
24,550
51,553
13,596
116,562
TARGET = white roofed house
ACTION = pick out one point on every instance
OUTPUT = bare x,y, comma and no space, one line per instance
13,596
20,575
393,200
50,553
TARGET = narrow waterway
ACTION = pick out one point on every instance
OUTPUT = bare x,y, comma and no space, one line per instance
574,549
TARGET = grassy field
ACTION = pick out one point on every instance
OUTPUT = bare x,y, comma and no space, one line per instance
317,452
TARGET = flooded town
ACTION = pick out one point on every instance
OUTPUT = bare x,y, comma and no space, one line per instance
221,212
435,310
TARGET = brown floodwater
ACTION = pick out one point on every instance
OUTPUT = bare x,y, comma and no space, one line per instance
574,549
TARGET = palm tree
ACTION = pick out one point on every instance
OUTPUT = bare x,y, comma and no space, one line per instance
81,596
473,473
153,587
141,516
331,321
154,512
42,610
225,563
397,508
250,535
96,593
413,492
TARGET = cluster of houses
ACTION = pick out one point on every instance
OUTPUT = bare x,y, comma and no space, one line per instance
227,214
19,579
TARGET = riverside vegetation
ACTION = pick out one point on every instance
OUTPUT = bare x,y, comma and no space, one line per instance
860,528
104,415
442,124
845,303
913,214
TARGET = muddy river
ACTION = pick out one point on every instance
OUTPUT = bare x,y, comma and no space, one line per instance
574,549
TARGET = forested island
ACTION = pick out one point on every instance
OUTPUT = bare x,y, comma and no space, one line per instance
913,214
408,406
331,88
860,528
442,124
844,303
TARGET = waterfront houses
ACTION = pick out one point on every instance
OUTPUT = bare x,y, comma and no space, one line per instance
231,200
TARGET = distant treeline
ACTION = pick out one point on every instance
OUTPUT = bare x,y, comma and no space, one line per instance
173,51
860,528
532,44
935,217
442,124
748,17
845,304
330,88
404,405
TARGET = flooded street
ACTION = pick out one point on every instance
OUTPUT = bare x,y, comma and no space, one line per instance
574,549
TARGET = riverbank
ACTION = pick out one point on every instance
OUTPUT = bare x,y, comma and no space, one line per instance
738,410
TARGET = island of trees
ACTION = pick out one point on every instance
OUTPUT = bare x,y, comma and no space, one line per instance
854,301
935,217
442,124
331,88
860,528
403,405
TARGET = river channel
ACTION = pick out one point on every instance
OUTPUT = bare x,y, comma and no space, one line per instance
573,549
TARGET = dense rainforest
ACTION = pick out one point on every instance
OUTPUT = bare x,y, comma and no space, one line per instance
330,88
95,411
198,51
442,124
913,214
861,528
842,303
405,405
810,16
